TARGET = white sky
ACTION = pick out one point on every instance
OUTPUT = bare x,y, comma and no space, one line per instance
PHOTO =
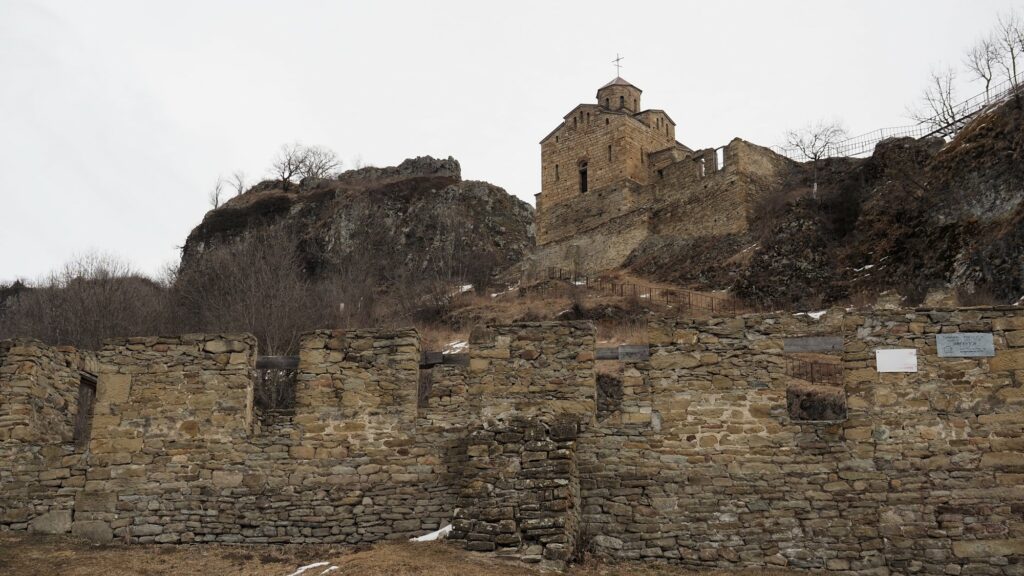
117,117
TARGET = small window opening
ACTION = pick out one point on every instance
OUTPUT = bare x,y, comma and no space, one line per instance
666,129
606,103
573,121
556,172
425,386
634,103
588,117
720,158
609,152
583,177
556,139
661,173
700,167
622,101
606,121
83,418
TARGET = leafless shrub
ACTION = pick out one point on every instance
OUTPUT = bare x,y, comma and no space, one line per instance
90,299
255,284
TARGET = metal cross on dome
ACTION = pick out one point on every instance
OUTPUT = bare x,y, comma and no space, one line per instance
618,66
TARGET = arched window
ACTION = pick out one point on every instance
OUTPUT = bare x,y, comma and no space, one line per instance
583,176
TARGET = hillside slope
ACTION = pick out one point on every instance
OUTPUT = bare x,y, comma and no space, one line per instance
917,216
405,223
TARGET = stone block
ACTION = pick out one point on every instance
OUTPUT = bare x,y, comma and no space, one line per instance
988,548
227,478
53,522
1004,360
675,360
93,530
96,502
113,388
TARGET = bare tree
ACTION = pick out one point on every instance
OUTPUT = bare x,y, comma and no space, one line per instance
288,163
982,60
297,161
816,141
319,162
238,182
939,101
217,193
1009,38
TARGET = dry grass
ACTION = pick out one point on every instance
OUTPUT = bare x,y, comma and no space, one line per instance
23,554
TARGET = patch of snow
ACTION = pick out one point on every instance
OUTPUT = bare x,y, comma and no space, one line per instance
645,295
509,289
865,267
455,347
815,315
465,288
580,282
749,248
308,567
435,535
330,569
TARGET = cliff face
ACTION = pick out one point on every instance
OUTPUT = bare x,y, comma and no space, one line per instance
417,220
920,215
917,216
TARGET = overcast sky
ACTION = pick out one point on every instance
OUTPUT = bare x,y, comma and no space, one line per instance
116,118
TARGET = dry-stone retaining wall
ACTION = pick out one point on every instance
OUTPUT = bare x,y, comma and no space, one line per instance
697,461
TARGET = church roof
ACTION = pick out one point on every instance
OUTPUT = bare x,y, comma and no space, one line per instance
618,81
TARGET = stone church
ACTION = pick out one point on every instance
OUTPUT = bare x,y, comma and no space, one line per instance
613,175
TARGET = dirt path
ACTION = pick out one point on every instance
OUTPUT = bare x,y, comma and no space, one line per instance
30,555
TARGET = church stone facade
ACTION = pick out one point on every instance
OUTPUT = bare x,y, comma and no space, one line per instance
613,174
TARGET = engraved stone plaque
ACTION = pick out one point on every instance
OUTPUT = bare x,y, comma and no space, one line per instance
813,344
965,345
634,352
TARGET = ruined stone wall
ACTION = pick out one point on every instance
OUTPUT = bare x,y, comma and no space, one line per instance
694,201
687,196
704,467
696,461
40,468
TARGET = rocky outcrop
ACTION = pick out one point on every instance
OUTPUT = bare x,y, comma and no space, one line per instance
417,218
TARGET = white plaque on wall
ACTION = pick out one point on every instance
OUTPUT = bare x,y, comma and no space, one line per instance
965,344
898,360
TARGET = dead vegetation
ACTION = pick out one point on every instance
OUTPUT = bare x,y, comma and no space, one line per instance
26,554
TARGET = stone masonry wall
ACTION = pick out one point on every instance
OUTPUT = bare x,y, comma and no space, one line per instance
40,468
697,463
922,477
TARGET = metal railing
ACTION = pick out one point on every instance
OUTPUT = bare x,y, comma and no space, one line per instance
944,126
815,372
